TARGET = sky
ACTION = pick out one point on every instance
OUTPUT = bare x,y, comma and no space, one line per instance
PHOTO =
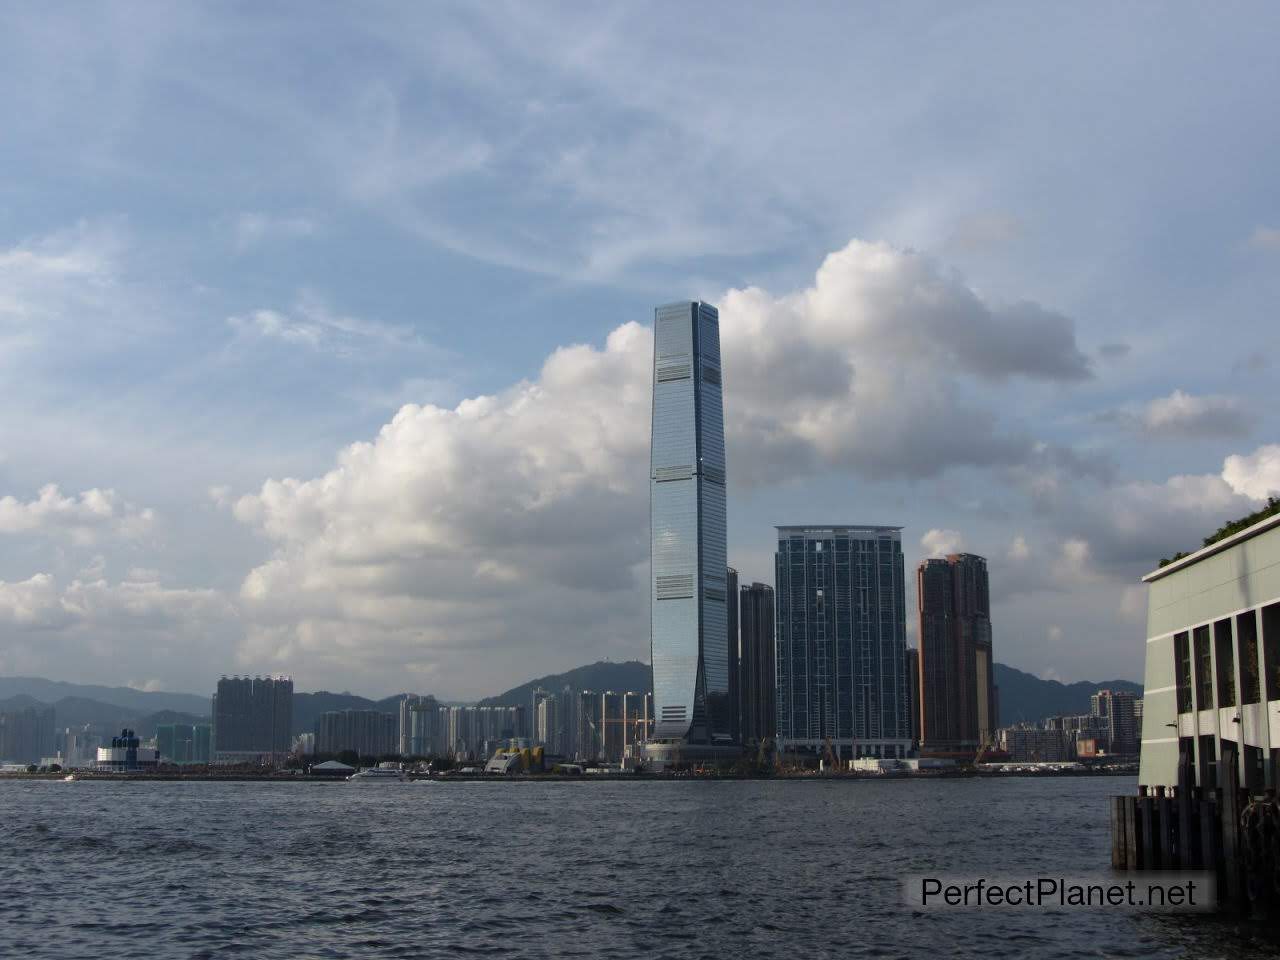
325,331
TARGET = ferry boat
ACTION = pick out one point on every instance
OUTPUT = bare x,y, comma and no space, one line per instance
382,772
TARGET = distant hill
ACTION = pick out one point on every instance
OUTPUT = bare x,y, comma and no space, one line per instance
1025,697
109,718
139,702
602,675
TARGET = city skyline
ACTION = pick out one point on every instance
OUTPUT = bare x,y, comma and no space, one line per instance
348,378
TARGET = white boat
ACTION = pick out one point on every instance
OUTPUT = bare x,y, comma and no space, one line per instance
382,772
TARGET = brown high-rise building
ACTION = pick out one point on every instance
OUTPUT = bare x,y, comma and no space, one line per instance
957,688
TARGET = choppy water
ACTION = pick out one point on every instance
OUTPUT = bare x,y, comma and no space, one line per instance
652,869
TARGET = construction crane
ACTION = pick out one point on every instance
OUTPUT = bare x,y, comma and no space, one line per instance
986,745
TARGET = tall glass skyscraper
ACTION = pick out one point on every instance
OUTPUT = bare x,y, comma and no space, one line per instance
841,640
689,589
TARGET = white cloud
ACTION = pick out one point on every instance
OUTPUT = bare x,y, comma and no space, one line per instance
311,323
1183,414
941,543
443,533
252,228
83,518
1255,475
100,605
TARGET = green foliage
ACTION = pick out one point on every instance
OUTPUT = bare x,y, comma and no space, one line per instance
1234,527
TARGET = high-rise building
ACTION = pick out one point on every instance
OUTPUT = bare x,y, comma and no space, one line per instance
183,743
841,640
757,682
957,685
421,733
735,655
613,726
26,733
913,693
1118,709
689,619
370,733
252,719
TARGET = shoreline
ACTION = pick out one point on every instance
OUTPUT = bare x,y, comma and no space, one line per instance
89,776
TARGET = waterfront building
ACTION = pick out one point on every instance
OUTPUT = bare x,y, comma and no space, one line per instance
304,744
422,727
184,744
547,726
1117,710
80,747
1212,684
585,726
26,733
370,733
1033,743
252,719
757,670
688,588
841,640
957,687
127,754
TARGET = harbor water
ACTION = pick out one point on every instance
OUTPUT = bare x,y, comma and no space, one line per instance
813,868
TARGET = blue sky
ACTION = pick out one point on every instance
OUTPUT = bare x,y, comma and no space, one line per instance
323,331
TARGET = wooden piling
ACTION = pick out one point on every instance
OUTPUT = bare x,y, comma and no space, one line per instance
1230,825
1167,814
1117,833
1131,844
1150,843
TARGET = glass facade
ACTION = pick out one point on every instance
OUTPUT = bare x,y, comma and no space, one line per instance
841,640
689,588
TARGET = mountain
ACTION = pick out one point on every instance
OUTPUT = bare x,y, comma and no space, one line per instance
1024,696
139,702
601,675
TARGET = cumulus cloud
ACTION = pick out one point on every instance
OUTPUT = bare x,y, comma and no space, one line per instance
39,602
869,368
941,543
1255,475
1184,415
517,520
83,518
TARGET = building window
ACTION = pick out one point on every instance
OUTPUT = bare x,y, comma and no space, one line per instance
1204,668
1247,654
1225,659
1182,668
1271,649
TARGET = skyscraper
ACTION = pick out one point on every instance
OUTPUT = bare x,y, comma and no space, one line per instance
841,625
957,686
688,599
252,719
756,667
